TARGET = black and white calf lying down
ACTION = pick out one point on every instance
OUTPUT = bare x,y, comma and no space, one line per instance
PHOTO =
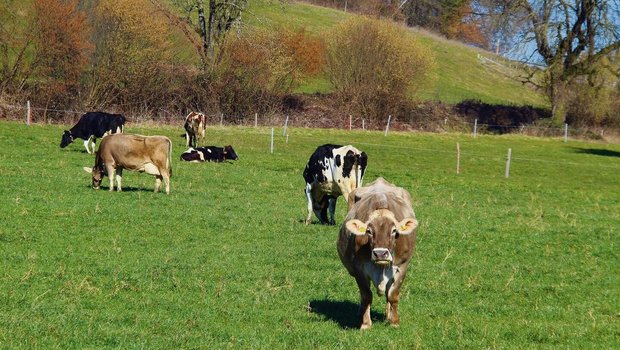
209,154
91,126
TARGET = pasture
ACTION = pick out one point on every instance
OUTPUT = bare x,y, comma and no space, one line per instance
225,261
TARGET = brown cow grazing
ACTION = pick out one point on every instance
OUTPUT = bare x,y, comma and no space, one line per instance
376,243
195,124
150,154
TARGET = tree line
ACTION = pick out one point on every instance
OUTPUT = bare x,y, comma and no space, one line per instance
124,54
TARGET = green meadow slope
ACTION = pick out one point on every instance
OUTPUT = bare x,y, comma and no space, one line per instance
461,71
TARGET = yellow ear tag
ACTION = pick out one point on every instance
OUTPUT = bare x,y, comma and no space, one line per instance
403,228
362,229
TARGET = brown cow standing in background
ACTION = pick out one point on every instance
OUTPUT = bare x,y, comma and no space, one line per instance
195,124
150,154
376,244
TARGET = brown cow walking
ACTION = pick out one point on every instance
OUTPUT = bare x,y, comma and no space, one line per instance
150,154
376,244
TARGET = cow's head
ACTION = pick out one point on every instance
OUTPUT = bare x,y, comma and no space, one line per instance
67,138
381,231
229,153
98,173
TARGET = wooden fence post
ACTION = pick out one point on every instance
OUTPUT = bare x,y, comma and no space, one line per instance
508,163
387,126
458,158
271,146
255,120
475,128
28,113
285,126
565,132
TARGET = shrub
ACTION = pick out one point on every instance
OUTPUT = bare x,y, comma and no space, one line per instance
256,70
376,66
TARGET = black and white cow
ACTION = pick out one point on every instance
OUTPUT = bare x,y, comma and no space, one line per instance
91,126
332,171
209,154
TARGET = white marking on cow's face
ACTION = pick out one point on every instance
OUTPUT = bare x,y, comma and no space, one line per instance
209,150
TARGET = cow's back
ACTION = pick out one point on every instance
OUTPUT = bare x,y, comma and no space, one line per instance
132,151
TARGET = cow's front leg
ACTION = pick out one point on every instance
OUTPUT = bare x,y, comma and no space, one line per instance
111,175
308,191
87,145
332,210
119,180
365,301
391,307
393,296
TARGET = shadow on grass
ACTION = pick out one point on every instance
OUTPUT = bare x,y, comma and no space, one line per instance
125,189
598,152
346,313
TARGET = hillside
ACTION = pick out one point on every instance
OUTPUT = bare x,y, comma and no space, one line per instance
461,73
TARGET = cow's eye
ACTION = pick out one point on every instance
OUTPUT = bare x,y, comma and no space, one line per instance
369,232
394,232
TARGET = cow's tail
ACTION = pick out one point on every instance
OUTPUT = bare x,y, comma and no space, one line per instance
169,160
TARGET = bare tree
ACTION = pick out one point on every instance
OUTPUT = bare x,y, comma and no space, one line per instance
212,27
568,37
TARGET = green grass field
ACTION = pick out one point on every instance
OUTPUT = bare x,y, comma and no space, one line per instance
225,261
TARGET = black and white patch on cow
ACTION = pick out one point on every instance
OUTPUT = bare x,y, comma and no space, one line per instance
195,125
332,171
209,154
91,126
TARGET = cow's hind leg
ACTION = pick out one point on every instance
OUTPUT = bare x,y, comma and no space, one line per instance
119,180
158,179
365,301
166,177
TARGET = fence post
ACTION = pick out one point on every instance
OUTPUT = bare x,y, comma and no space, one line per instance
285,126
271,146
475,127
458,158
255,120
387,126
565,132
363,124
28,113
508,163
349,122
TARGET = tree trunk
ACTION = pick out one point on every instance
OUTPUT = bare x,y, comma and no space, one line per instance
558,101
210,25
206,44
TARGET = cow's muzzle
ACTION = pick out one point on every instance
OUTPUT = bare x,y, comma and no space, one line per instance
381,256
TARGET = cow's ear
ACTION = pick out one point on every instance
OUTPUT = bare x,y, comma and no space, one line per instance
356,227
406,226
88,170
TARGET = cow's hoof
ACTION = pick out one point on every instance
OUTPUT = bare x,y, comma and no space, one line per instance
365,326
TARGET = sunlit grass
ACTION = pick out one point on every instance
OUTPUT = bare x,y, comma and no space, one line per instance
225,260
